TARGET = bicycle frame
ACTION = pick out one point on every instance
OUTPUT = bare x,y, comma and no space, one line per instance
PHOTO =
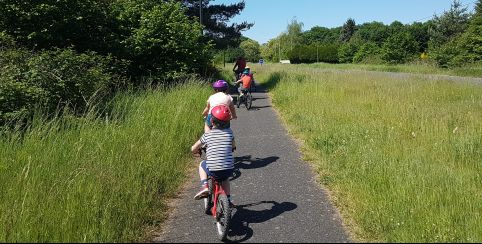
217,191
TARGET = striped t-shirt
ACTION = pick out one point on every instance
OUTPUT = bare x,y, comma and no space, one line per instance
219,151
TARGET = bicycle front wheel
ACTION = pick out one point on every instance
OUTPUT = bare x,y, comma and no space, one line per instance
223,217
249,101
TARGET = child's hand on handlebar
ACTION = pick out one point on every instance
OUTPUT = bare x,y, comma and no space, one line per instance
196,153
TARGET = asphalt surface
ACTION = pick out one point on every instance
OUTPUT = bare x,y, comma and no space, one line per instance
277,197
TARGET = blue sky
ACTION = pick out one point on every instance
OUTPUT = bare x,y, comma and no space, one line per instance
272,16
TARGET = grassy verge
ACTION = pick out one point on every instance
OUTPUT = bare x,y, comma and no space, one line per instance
98,180
402,156
469,71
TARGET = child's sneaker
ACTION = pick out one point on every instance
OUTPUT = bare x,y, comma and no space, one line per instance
203,193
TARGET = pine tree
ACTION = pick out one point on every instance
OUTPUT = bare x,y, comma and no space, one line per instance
347,30
214,19
449,25
478,8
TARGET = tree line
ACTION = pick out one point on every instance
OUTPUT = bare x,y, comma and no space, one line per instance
57,53
451,39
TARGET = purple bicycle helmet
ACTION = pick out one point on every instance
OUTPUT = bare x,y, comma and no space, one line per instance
220,85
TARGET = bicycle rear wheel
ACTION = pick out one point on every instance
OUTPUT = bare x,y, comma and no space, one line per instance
223,217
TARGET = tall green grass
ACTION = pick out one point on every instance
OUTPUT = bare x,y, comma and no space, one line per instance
99,179
402,156
422,68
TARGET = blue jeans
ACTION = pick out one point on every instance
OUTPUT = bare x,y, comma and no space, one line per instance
208,121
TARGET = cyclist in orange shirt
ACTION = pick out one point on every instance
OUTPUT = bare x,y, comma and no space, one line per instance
247,81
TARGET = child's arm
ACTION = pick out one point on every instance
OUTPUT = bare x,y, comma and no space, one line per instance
206,110
196,147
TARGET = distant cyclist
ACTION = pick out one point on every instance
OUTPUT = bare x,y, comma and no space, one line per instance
239,66
220,97
220,145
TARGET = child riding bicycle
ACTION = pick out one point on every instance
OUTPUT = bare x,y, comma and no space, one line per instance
253,84
247,82
219,143
221,97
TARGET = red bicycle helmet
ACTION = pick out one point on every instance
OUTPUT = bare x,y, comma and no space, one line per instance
220,85
222,113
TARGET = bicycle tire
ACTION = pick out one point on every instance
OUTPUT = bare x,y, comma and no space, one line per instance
238,101
207,202
249,101
223,217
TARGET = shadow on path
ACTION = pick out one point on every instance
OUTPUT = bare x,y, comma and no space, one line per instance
240,230
258,107
246,162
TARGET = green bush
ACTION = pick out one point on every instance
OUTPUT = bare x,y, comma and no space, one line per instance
54,79
302,54
157,37
327,53
346,52
399,48
446,54
164,41
367,51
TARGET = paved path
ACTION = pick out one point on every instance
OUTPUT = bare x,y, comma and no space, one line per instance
278,199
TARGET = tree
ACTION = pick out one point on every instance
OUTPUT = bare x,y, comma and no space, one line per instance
396,26
468,48
251,50
215,20
271,51
445,33
478,8
346,52
449,25
372,32
163,40
399,48
369,50
294,32
420,32
319,34
279,47
347,30
83,24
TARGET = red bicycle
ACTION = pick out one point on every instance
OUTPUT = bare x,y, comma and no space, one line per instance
217,205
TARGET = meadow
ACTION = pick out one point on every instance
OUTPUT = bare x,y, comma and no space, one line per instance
99,178
400,155
474,70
